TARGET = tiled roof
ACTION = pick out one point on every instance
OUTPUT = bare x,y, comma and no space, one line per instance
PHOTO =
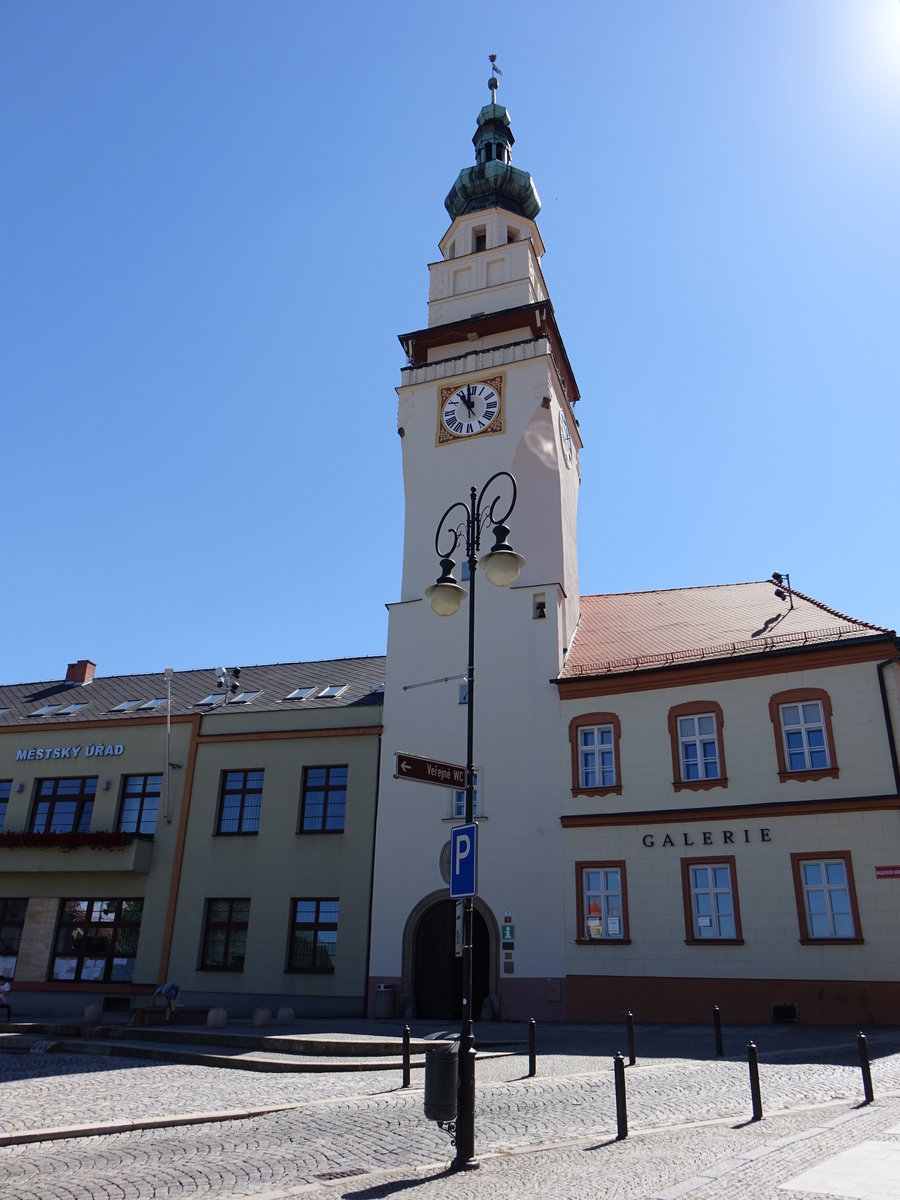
364,678
635,631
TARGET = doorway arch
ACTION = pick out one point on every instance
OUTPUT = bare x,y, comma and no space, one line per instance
432,974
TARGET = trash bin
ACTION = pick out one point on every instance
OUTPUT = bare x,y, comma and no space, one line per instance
384,1000
441,1079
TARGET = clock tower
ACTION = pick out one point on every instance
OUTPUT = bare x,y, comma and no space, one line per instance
487,387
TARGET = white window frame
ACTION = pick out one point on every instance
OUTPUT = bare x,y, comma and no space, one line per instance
595,927
805,724
458,800
830,889
603,750
708,926
691,736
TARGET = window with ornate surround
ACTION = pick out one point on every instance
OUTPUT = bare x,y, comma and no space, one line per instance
804,738
825,891
602,900
698,747
712,911
596,766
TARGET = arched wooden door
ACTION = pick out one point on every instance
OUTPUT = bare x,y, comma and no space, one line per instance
438,972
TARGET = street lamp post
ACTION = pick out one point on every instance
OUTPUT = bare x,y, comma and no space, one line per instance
501,565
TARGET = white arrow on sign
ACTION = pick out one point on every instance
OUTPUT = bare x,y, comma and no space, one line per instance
428,770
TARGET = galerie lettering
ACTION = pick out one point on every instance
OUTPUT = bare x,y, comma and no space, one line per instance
764,835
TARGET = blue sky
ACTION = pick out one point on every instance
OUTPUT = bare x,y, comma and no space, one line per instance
216,218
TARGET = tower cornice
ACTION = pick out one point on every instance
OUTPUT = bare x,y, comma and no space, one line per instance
423,346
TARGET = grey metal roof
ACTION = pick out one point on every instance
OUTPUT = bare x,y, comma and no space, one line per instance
364,678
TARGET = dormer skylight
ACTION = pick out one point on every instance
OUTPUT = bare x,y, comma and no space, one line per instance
209,701
44,710
154,703
245,697
333,691
70,708
125,706
302,693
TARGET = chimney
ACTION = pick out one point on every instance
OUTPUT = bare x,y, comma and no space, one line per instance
80,672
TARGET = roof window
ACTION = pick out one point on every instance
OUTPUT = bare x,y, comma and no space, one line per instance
154,703
125,706
44,710
71,708
302,693
333,691
245,697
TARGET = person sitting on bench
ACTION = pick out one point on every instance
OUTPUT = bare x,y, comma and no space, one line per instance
169,993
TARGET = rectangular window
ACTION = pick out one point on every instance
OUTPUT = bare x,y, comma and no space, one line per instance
698,747
5,789
826,897
12,918
140,803
313,938
602,902
596,756
225,935
323,803
696,731
711,907
96,940
803,730
64,805
594,739
240,801
459,800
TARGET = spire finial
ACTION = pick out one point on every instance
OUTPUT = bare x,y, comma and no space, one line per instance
493,82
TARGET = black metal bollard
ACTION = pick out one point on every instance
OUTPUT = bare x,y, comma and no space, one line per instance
621,1105
629,1028
717,1026
406,1056
532,1048
864,1064
753,1059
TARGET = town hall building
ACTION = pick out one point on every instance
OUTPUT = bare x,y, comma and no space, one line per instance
684,798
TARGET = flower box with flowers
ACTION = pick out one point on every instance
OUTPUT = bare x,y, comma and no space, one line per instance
27,851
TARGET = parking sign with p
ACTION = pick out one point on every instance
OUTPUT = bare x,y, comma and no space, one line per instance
463,861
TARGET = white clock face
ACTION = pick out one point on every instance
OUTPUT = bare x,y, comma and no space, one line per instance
470,409
565,438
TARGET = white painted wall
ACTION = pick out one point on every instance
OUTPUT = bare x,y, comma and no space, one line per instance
517,708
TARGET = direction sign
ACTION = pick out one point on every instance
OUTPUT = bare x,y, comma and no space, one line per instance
463,861
427,770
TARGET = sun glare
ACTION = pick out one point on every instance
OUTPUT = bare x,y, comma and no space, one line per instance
872,29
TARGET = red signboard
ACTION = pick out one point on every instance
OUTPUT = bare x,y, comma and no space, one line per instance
887,872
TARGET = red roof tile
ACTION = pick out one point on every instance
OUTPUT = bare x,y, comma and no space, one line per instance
633,631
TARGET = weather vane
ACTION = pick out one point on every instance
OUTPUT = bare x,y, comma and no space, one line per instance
493,82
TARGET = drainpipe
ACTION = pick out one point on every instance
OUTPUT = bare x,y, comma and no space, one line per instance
892,741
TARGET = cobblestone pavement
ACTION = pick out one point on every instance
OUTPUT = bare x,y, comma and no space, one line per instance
360,1136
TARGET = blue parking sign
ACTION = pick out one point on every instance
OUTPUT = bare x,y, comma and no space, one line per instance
463,861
